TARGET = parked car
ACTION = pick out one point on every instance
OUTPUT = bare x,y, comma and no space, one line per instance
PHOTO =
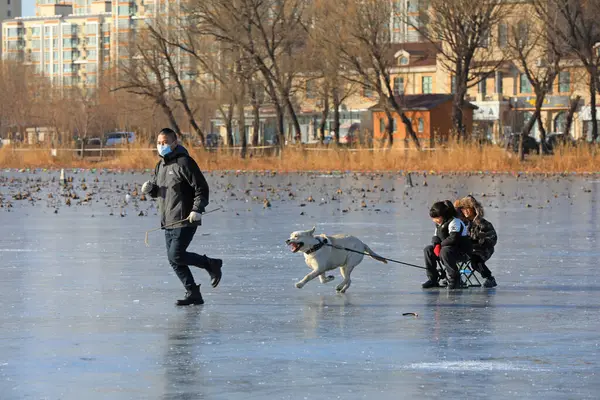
530,145
117,138
213,140
560,139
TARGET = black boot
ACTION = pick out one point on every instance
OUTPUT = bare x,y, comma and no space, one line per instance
215,266
192,296
431,283
490,282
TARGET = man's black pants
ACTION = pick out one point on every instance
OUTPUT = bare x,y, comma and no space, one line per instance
478,264
449,256
178,240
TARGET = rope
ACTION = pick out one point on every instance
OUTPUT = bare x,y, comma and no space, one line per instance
370,255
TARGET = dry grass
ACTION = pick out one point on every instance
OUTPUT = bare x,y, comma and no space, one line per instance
456,158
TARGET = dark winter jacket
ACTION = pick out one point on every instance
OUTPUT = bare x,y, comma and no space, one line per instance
179,186
459,238
484,238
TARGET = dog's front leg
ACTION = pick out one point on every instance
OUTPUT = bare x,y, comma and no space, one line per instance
308,278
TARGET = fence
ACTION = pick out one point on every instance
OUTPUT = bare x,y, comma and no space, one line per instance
100,153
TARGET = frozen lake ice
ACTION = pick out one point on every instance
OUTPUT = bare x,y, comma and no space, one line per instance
87,310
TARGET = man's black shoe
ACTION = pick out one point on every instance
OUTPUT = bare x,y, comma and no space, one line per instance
430,284
490,282
192,297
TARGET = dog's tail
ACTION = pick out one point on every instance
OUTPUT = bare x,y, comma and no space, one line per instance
375,255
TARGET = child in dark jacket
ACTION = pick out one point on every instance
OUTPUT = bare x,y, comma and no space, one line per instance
483,236
450,244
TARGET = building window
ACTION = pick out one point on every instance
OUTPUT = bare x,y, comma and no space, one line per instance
564,82
426,83
8,13
453,84
310,90
502,35
92,40
91,29
91,54
483,86
381,125
106,40
403,60
525,84
522,33
499,88
484,41
398,86
421,126
412,6
368,92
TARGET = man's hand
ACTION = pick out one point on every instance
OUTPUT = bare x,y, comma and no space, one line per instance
147,187
195,217
437,249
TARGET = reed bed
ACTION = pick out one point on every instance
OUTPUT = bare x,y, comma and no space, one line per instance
463,157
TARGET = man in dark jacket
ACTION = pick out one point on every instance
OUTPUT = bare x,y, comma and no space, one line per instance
182,194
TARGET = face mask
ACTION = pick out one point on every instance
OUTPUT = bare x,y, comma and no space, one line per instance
163,149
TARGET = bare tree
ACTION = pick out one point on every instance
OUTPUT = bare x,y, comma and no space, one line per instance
364,51
461,31
146,74
162,35
539,56
574,23
270,33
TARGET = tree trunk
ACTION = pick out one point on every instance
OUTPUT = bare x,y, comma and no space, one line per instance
242,129
457,112
336,115
572,107
294,117
255,114
389,127
324,116
542,134
592,88
409,129
527,128
229,125
280,128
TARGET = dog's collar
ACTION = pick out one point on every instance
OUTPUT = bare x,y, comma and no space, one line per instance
316,247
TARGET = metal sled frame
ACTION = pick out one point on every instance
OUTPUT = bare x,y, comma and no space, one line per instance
467,274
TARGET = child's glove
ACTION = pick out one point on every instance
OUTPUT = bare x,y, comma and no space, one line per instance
437,249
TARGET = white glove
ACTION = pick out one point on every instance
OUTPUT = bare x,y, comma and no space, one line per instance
195,217
147,187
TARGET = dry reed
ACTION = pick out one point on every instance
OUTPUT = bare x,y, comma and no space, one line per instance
455,158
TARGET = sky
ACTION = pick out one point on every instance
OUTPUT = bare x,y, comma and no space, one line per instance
28,8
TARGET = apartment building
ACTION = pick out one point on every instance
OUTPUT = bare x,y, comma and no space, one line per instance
9,9
73,42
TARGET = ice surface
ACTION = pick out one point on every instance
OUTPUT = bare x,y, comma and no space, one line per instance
87,309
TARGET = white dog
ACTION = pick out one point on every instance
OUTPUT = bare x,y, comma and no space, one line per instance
325,253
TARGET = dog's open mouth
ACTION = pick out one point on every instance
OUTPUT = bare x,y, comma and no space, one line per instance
295,246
